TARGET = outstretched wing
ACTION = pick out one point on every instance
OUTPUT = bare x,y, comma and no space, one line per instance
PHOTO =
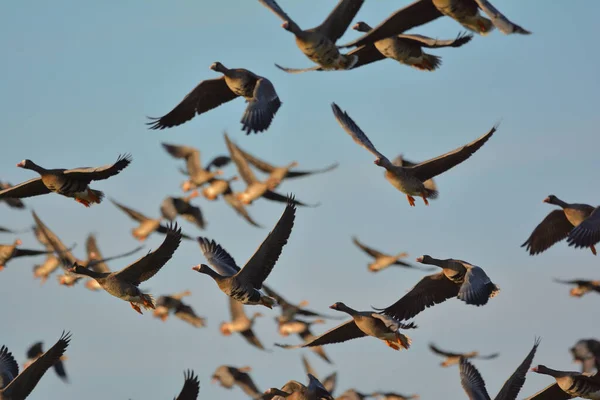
341,333
100,173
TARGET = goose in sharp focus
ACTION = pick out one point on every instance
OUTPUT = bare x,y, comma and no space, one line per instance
383,261
587,353
410,179
244,284
581,286
35,351
171,207
289,310
474,385
454,358
406,49
241,323
569,385
393,396
458,278
420,12
15,386
11,202
197,174
302,329
124,283
557,225
67,182
191,386
228,377
318,44
10,251
363,323
330,380
258,91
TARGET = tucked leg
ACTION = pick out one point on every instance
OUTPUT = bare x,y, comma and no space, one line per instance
593,249
424,196
411,200
136,307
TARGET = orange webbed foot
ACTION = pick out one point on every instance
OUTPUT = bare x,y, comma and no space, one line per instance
424,197
136,308
82,201
411,200
392,345
593,249
2,267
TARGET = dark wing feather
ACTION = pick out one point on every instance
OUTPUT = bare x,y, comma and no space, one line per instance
207,95
513,385
26,252
472,382
338,20
587,233
299,70
239,208
431,290
8,365
32,187
35,350
240,162
59,368
341,333
258,268
100,173
12,202
274,196
368,250
218,162
443,353
424,41
550,392
168,209
554,228
366,54
251,338
135,215
261,108
218,257
147,266
191,387
436,166
297,174
417,13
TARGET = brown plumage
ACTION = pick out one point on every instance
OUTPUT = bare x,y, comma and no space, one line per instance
241,324
10,251
569,385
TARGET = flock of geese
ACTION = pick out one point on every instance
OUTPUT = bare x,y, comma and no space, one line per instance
244,284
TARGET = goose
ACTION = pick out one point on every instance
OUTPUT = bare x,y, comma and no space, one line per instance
35,351
410,180
302,329
290,310
330,380
241,323
228,377
191,386
124,283
171,207
420,12
17,386
458,278
10,251
363,323
294,390
11,202
394,396
197,175
50,264
244,284
474,385
382,260
454,358
582,286
568,385
66,182
557,225
259,92
587,353
318,44
181,310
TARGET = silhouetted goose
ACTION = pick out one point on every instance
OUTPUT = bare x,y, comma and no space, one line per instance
229,376
318,44
124,283
11,202
191,386
36,351
254,188
587,233
258,91
289,310
454,358
410,180
581,286
474,385
458,278
382,260
328,383
557,225
302,329
67,182
277,174
15,386
10,251
241,323
587,353
420,12
363,323
171,207
569,385
406,49
198,175
244,284
393,396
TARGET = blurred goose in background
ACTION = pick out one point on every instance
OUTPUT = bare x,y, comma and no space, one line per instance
557,225
581,286
198,175
294,390
330,380
11,202
36,351
15,386
458,278
191,386
406,49
244,284
171,207
382,260
454,358
474,385
569,385
10,251
124,283
318,43
587,353
228,377
352,394
241,323
289,310
67,182
50,264
302,329
420,12
258,92
393,396
410,180
8,230
363,323
165,304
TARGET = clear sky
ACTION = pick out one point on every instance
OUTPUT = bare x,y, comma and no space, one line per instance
79,79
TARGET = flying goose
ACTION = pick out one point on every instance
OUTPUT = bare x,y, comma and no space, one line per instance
11,202
241,323
587,353
183,311
363,323
197,175
568,385
406,49
454,358
50,264
15,386
581,286
289,310
382,260
330,380
124,283
318,44
410,179
35,351
294,390
258,91
302,329
244,284
67,182
458,278
474,385
228,377
191,386
557,225
420,12
171,207
10,251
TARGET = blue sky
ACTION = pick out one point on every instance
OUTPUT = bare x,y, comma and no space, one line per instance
79,79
